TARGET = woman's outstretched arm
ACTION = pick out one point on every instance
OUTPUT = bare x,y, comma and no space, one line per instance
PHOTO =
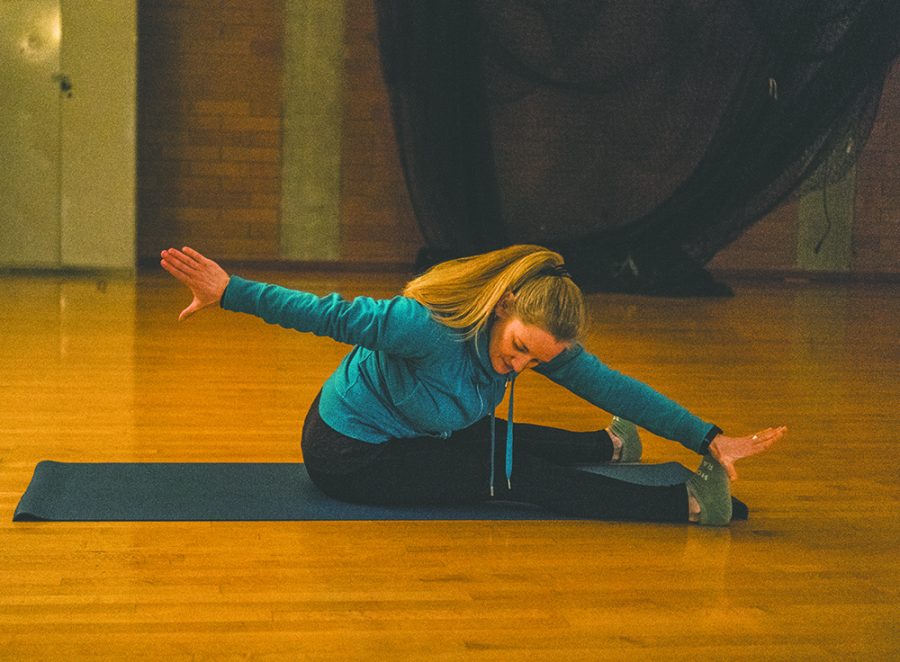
205,279
398,326
585,375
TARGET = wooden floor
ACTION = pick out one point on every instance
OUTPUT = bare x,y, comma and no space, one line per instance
101,371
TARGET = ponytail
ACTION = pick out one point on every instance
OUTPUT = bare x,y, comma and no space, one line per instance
464,293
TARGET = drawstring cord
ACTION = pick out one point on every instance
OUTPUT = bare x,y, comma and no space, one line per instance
509,434
493,447
509,438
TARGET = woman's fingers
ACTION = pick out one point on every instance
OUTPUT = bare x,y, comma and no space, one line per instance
183,268
195,255
728,465
192,308
172,262
763,440
184,260
177,270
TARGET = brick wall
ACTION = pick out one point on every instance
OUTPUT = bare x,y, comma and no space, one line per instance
377,222
209,126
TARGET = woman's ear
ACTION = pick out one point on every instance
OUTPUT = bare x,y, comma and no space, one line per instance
504,307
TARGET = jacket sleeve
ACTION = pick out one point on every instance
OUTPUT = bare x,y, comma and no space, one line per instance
398,326
586,376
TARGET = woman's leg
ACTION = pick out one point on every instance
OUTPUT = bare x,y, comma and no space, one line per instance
620,442
560,446
541,477
457,470
584,494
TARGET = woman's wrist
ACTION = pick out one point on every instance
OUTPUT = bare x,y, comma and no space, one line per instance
714,432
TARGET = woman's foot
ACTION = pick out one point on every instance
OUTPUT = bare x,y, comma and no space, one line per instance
626,441
709,494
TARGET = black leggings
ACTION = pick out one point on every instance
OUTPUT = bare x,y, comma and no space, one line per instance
429,470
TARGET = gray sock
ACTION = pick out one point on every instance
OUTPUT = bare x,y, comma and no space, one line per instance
712,490
627,433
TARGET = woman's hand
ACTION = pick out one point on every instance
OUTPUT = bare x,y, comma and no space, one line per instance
728,450
206,279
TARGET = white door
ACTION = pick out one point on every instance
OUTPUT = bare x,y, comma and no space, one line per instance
67,133
29,133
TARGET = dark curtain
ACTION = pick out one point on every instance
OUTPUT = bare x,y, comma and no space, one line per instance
638,138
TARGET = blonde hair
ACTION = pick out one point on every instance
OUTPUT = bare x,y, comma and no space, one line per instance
464,293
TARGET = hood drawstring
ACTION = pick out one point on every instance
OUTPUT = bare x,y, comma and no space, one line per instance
509,437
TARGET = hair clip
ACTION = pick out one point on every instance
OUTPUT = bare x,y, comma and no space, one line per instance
558,270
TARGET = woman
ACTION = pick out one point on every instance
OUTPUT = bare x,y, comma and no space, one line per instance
407,418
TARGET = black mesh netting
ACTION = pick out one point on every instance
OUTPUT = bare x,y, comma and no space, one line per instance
636,137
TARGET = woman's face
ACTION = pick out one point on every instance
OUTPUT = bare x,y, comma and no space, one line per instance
514,346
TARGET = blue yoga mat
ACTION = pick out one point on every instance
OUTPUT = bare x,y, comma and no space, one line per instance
90,492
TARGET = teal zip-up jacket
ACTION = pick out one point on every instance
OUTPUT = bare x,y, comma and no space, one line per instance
408,375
